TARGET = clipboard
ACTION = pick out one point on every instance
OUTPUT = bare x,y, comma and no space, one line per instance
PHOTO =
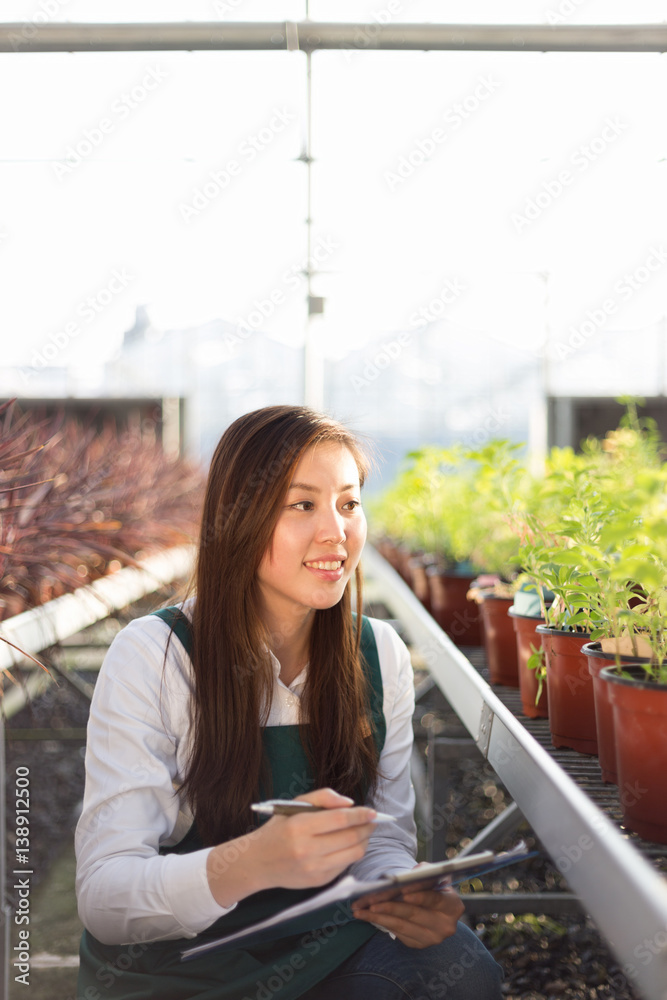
435,875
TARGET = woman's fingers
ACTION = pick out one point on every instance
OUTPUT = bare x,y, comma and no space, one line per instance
426,916
412,935
339,847
326,797
420,920
337,825
406,939
445,900
331,820
341,840
311,848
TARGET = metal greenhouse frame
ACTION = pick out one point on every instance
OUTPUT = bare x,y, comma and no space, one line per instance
557,809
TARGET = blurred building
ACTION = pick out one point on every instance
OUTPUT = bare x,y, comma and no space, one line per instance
401,390
435,385
221,371
440,383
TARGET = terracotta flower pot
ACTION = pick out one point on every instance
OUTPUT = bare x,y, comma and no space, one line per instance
500,641
389,551
604,716
404,555
526,636
640,722
420,581
450,607
570,688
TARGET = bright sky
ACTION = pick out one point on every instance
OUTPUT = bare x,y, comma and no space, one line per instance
478,172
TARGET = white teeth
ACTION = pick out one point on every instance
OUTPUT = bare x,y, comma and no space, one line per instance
325,565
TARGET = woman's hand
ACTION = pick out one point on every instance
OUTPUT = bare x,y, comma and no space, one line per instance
419,919
294,852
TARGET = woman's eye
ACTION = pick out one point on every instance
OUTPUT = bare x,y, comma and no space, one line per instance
309,505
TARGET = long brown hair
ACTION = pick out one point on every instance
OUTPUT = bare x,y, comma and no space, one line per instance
233,678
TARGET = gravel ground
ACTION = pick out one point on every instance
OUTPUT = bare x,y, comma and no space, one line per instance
56,777
543,958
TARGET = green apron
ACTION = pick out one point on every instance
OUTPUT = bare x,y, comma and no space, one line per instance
278,969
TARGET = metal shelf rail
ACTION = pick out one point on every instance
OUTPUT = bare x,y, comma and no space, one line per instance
622,891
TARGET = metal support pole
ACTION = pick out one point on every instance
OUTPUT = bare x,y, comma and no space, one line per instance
313,366
555,904
309,36
494,832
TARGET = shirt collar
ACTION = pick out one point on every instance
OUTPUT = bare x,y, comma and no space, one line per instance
298,681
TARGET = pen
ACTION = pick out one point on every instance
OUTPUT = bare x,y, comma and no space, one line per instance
289,807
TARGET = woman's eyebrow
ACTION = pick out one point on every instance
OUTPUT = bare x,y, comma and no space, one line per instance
316,489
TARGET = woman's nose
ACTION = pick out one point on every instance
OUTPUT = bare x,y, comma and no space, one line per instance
332,527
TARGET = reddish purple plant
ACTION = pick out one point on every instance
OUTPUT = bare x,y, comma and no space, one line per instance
77,503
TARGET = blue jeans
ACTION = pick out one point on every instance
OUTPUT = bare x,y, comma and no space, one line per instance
459,968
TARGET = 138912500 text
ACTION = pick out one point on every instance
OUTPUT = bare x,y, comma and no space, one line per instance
21,957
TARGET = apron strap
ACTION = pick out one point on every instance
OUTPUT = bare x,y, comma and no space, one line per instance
370,662
180,624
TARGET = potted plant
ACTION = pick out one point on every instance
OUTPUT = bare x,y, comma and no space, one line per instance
626,566
498,484
619,561
606,653
563,523
586,552
638,694
499,640
428,507
400,525
638,691
526,614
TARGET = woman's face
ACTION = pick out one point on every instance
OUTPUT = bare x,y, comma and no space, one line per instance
322,522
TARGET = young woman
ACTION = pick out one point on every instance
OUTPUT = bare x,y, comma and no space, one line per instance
262,684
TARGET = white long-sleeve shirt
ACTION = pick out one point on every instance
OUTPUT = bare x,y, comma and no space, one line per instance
138,744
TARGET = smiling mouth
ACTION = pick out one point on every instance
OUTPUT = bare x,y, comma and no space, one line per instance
328,564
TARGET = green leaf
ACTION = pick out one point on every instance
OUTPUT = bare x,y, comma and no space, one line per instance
657,529
650,576
635,551
581,616
613,534
565,557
